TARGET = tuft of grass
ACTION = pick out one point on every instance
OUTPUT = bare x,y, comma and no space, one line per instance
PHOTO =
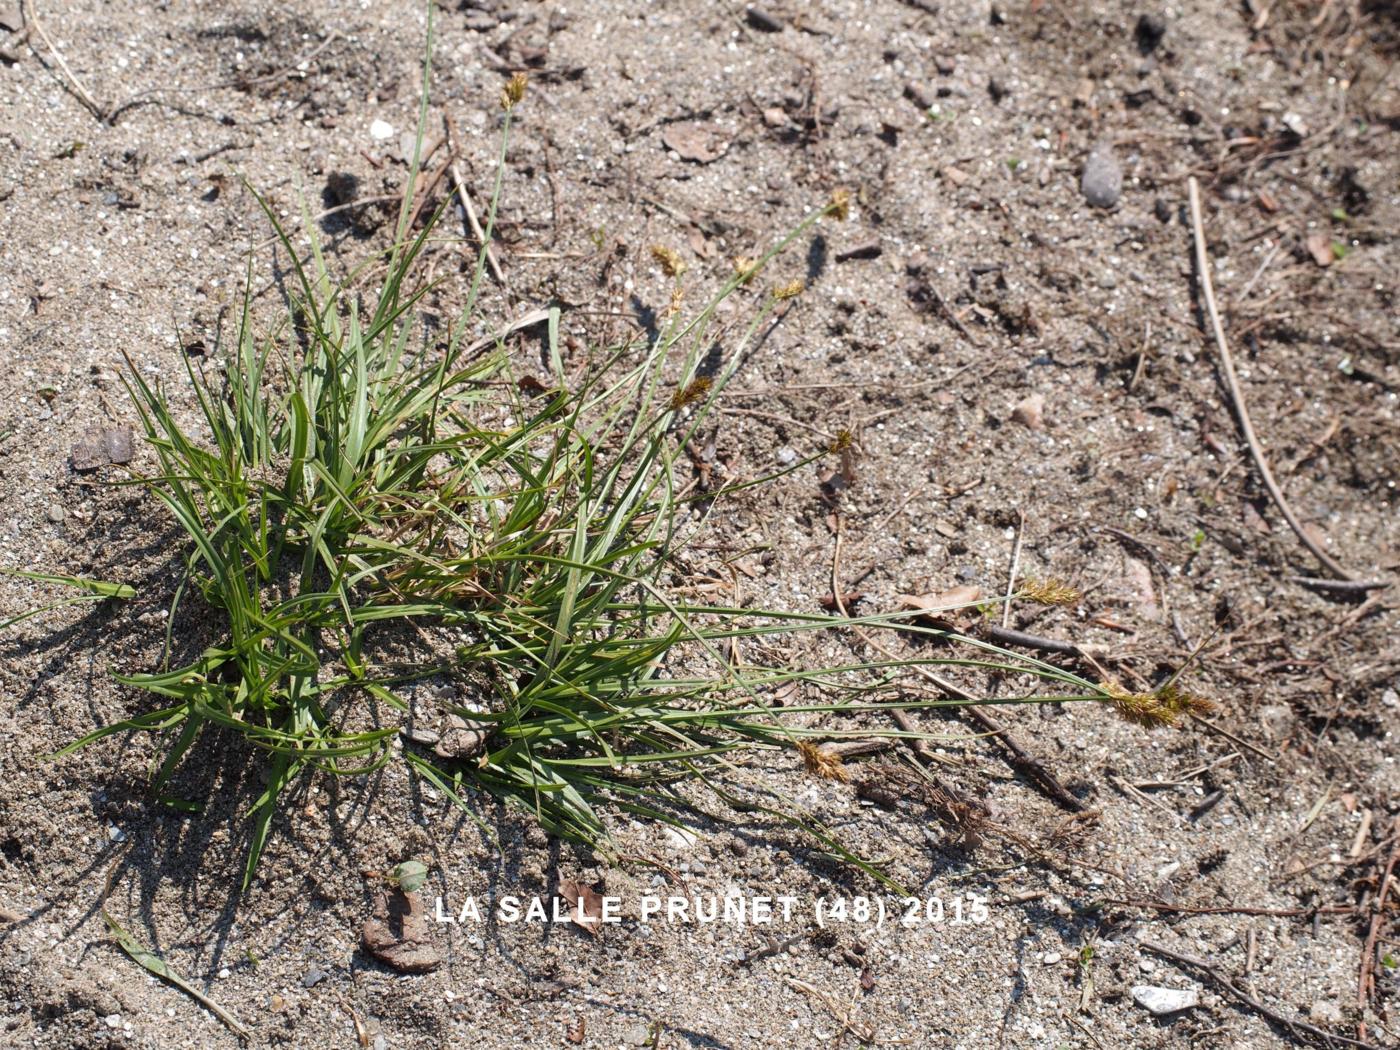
364,511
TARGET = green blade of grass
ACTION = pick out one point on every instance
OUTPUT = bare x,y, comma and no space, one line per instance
154,964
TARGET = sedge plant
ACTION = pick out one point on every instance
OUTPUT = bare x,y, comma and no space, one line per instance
361,510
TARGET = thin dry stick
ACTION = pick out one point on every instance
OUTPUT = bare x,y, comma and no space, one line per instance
842,1015
528,320
1141,365
145,97
475,224
1227,368
1018,757
1290,1023
1366,980
775,418
1015,566
83,96
1271,759
1181,909
916,742
949,312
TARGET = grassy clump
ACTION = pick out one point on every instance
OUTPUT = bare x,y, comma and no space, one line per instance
364,511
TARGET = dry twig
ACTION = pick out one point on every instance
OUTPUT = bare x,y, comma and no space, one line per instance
32,20
1366,980
1017,756
1292,1024
475,224
1227,368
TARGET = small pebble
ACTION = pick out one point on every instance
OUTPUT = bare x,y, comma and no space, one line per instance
1149,32
1277,720
763,20
1324,1012
1030,412
118,444
312,978
113,1020
1163,1001
380,130
1102,181
1051,958
54,513
224,974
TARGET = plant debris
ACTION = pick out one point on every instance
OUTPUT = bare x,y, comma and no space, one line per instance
399,933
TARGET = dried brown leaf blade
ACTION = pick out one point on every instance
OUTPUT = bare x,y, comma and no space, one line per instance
695,141
585,906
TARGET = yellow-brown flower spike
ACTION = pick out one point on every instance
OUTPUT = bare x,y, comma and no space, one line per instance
822,763
692,392
745,268
1165,707
513,92
840,206
1048,592
843,441
670,261
677,301
791,290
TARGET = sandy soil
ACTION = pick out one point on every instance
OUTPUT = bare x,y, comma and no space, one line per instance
964,129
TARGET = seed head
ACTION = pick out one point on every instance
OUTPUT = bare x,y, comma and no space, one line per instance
692,392
1164,707
823,763
677,299
513,92
672,265
1049,592
745,268
839,207
843,441
791,290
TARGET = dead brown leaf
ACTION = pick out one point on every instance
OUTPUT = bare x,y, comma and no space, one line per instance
399,934
695,141
1319,246
576,1033
699,244
848,598
934,607
1031,412
786,693
583,901
463,738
